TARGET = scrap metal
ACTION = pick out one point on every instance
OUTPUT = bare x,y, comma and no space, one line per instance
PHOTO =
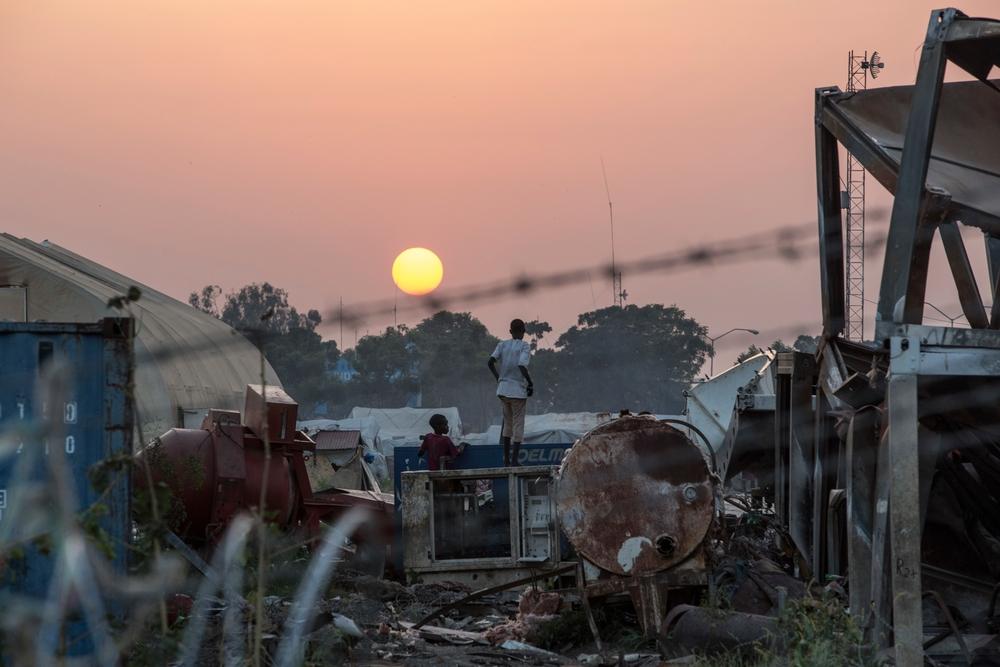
918,470
637,499
217,472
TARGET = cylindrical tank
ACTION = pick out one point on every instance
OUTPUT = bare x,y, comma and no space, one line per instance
635,496
214,474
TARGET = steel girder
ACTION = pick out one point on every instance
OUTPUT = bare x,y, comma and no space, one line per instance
887,458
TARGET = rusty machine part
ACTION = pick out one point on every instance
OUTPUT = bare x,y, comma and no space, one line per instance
635,496
217,472
689,629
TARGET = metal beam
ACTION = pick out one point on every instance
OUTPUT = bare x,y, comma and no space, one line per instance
993,268
782,435
862,447
904,272
881,570
801,460
876,161
824,477
831,241
904,501
975,28
965,280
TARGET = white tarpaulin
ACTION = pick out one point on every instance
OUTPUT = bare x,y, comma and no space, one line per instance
550,428
403,426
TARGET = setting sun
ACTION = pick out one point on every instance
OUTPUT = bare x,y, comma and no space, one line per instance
417,271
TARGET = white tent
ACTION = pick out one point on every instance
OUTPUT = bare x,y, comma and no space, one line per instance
186,361
403,426
550,428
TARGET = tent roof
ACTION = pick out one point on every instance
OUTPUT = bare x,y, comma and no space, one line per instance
406,425
186,359
549,428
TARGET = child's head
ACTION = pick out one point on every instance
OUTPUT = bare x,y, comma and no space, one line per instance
517,329
439,423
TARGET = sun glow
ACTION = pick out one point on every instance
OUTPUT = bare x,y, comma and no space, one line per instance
417,271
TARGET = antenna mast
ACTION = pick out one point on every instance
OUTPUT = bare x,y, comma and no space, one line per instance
618,294
853,199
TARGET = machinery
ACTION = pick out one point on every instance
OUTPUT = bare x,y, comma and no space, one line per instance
637,499
882,457
886,452
481,526
219,470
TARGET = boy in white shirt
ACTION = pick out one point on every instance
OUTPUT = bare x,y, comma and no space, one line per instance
514,386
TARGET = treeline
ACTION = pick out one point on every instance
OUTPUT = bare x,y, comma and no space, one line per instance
636,357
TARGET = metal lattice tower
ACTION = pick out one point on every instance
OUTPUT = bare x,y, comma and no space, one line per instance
853,199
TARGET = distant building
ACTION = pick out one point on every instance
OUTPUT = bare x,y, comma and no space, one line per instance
343,370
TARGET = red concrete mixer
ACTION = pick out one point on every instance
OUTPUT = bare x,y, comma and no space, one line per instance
218,471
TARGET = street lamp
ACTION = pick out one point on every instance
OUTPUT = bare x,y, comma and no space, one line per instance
711,364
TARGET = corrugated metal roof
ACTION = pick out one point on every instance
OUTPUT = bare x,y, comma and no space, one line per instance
337,440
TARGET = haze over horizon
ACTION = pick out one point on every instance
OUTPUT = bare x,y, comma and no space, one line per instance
306,143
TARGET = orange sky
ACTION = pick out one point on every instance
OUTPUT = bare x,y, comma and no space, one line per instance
306,142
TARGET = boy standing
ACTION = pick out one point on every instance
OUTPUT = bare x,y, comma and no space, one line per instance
514,386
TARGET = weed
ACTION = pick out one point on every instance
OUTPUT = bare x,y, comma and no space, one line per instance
813,632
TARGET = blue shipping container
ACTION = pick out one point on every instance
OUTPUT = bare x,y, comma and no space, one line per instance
93,422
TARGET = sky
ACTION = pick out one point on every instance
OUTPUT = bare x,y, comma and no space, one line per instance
307,142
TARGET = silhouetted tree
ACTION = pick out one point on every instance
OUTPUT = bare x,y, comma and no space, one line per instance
387,369
803,343
451,351
776,346
297,353
535,330
636,357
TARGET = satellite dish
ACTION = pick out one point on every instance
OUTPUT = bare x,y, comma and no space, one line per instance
876,64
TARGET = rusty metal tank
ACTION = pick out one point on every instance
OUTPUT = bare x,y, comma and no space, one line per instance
635,496
215,473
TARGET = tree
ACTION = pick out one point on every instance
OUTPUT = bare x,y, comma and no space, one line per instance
753,350
803,343
297,353
451,351
254,307
207,299
806,343
639,358
536,330
385,363
263,306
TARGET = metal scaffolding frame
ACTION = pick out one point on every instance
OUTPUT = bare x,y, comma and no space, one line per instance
854,188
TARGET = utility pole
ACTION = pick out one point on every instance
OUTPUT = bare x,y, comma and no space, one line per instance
853,200
618,294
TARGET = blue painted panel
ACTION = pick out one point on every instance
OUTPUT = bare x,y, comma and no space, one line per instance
93,422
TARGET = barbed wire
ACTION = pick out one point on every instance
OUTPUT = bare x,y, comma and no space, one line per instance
787,243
